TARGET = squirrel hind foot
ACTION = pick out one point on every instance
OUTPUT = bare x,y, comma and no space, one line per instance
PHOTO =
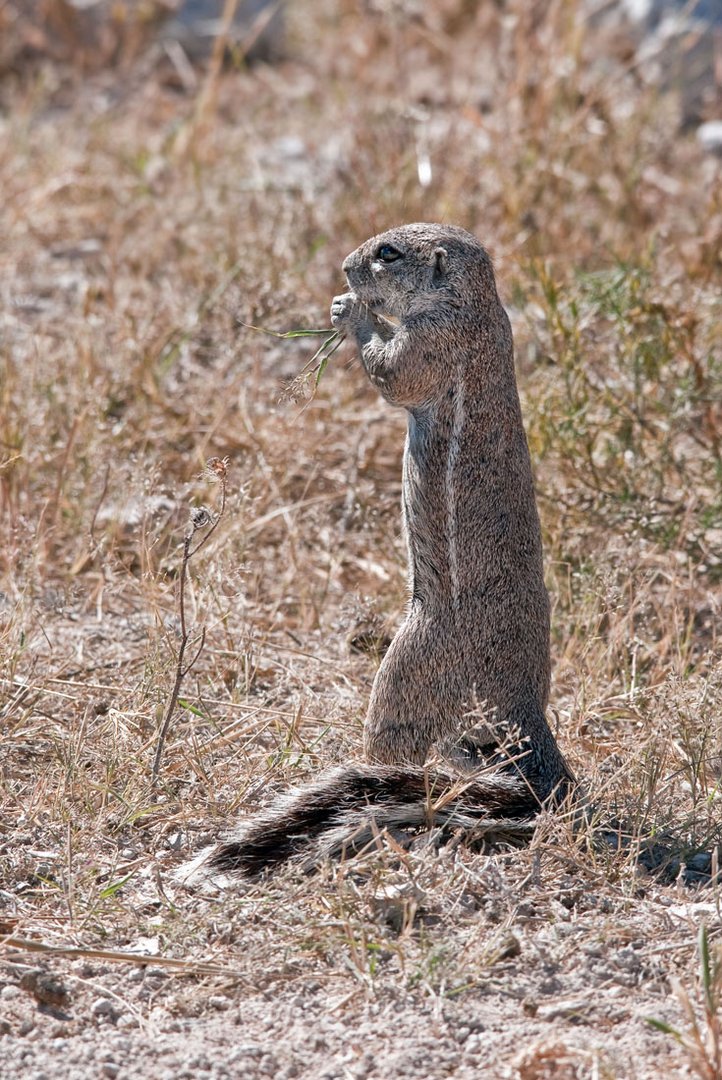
471,751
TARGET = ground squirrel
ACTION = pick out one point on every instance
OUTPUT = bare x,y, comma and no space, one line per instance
434,339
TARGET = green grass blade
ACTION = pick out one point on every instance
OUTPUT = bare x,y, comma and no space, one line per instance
191,708
661,1025
705,968
111,890
320,351
286,334
324,361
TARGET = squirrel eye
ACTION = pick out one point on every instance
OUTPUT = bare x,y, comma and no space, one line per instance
388,254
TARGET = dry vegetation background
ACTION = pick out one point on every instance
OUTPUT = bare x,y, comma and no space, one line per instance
145,220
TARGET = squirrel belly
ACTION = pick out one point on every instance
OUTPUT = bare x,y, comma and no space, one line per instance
473,651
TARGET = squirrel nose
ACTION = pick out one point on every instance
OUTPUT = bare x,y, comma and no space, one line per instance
346,264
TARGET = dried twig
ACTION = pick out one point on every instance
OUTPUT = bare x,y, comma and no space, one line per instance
200,518
186,967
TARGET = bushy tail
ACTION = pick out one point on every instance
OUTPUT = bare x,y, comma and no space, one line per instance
348,806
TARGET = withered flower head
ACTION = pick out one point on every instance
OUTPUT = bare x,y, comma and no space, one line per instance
200,517
217,468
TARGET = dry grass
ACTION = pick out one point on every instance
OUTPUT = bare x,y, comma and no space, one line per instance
133,254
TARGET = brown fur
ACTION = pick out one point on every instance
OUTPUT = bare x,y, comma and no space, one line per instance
474,646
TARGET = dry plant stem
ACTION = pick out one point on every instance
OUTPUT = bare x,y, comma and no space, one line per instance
217,466
189,967
209,91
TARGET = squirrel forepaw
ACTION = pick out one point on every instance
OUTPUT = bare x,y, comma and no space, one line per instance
342,308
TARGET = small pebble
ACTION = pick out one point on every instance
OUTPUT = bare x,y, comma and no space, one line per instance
102,1007
127,1022
45,988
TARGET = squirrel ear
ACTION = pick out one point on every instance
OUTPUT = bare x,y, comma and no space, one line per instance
441,260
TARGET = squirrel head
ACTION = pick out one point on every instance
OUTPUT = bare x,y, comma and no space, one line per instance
414,268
